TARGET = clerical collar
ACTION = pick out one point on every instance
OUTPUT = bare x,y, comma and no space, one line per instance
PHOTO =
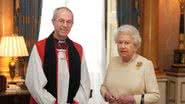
60,41
60,44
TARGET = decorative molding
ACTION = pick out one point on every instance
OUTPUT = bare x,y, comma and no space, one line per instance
112,27
176,74
172,90
162,83
182,92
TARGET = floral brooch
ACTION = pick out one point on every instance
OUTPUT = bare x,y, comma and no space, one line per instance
138,65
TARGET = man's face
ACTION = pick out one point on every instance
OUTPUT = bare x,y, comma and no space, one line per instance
62,23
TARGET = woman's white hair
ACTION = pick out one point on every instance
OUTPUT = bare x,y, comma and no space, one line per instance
134,33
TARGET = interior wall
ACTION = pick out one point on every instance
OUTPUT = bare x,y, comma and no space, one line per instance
169,14
6,28
168,32
6,17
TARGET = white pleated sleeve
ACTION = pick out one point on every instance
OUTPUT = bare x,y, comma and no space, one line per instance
83,93
36,80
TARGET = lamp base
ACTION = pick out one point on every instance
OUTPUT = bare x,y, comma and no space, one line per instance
12,69
17,79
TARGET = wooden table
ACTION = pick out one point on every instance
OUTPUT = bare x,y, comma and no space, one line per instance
15,97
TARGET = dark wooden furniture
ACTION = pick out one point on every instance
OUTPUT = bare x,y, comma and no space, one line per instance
15,97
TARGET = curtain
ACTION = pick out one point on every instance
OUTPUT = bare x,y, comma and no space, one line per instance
27,20
129,12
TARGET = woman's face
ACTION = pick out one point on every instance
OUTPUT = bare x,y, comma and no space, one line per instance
125,45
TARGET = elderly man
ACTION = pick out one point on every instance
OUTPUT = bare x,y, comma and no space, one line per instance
57,72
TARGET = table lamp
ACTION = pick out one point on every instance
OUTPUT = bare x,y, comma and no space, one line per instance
13,46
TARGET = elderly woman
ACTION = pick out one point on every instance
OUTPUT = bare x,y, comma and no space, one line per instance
130,78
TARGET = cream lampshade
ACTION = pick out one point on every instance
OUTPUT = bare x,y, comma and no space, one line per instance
13,46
